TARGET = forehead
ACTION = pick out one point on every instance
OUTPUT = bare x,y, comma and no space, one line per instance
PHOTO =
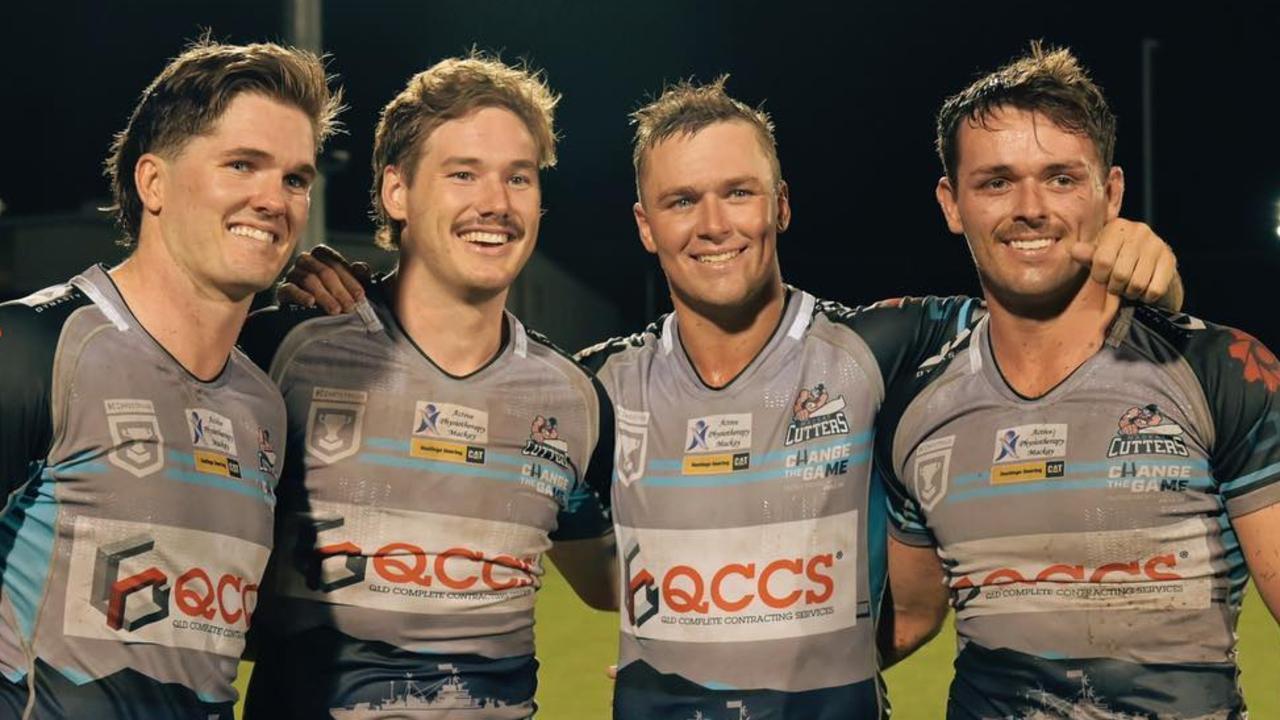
721,150
493,134
255,121
1014,136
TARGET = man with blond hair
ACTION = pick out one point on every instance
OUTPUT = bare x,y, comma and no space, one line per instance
137,446
1099,479
437,447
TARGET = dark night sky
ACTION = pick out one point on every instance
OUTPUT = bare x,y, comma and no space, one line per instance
853,92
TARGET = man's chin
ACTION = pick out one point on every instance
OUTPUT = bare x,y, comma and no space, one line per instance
1038,301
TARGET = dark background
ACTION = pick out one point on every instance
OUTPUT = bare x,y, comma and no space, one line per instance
853,91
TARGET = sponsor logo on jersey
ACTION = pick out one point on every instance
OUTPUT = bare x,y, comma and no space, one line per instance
335,423
1160,568
632,435
1027,472
266,452
815,414
766,582
717,444
141,583
1149,477
137,445
1041,441
47,298
1146,431
214,441
399,560
544,442
932,470
449,433
818,463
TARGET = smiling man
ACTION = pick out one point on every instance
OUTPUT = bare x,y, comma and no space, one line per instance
1099,479
437,448
136,445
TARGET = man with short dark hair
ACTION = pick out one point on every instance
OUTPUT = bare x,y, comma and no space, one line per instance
137,447
1099,479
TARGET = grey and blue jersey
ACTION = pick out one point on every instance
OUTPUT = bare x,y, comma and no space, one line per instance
414,517
1087,534
751,537
139,513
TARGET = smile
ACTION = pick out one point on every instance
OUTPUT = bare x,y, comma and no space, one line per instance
1031,244
719,257
488,239
253,233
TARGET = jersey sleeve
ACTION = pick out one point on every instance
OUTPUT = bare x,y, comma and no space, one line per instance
29,337
1240,377
587,509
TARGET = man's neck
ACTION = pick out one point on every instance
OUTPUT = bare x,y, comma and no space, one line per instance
1037,353
197,327
459,334
722,346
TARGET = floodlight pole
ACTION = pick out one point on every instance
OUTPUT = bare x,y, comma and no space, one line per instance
304,31
1149,46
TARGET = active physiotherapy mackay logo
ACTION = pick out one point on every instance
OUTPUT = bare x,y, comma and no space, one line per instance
448,432
815,414
1147,431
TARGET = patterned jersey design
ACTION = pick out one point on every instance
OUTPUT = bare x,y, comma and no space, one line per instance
1087,534
139,519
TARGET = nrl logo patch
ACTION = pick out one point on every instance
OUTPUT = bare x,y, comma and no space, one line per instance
334,423
137,445
816,415
544,442
632,442
932,470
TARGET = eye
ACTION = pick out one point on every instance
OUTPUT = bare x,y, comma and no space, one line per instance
297,182
740,193
464,175
240,165
681,203
996,183
520,179
1062,181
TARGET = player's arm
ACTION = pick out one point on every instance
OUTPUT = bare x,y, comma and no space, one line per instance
1259,535
917,601
1133,262
585,550
28,341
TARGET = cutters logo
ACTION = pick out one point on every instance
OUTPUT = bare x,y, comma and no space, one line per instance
1159,568
335,423
390,559
137,445
716,585
142,583
816,415
544,442
1146,431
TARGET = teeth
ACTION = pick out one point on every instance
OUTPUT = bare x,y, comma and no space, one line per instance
250,232
485,238
719,257
1036,244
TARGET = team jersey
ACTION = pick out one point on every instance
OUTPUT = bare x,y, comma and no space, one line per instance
413,522
1087,534
751,538
139,512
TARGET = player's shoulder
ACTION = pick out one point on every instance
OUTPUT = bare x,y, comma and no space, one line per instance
268,330
1207,347
894,311
595,357
34,324
554,355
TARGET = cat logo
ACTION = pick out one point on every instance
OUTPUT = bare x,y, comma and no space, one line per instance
137,445
334,423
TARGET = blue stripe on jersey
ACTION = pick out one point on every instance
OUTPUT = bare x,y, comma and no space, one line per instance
1253,477
962,318
1237,570
28,537
438,466
252,482
1058,485
1081,468
491,458
735,478
877,540
661,465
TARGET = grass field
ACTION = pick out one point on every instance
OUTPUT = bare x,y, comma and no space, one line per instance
576,643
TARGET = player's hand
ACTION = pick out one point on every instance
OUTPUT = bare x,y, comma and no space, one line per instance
611,672
323,277
1132,261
